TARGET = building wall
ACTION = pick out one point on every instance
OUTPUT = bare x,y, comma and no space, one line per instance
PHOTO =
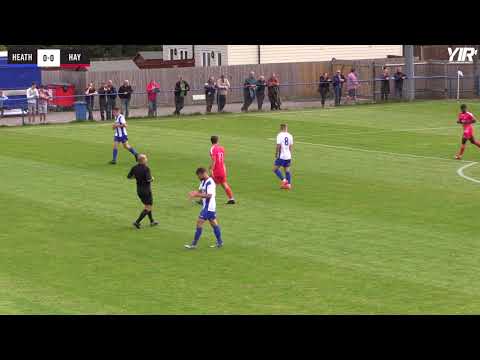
301,53
167,48
207,49
242,54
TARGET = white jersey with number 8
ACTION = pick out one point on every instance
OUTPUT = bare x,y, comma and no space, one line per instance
285,139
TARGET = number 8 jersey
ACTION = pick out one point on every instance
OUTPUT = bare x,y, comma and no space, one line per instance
285,139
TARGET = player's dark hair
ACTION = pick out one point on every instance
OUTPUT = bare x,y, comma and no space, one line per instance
463,107
214,139
116,108
283,126
201,170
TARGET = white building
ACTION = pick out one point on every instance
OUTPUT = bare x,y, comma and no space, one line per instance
215,55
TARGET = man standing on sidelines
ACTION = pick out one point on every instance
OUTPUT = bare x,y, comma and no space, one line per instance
32,96
111,99
120,135
102,100
207,194
153,88
283,156
125,94
181,89
223,85
141,173
218,168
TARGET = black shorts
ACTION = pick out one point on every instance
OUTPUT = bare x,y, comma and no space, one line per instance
145,196
471,139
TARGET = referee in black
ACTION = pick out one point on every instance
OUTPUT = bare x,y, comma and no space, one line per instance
141,173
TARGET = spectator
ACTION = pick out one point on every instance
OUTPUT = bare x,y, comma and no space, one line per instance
324,87
102,99
210,90
43,97
352,86
223,85
337,82
125,94
261,85
3,97
111,99
385,83
90,93
273,85
399,76
249,87
32,96
153,88
181,89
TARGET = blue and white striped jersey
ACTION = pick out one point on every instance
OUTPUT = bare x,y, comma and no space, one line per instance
208,187
120,131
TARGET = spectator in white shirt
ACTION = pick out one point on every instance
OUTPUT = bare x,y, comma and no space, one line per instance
32,96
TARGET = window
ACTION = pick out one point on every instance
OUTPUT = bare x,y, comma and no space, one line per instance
181,54
209,58
219,59
186,54
204,59
171,54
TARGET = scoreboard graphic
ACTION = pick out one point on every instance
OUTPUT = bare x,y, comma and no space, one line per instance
49,58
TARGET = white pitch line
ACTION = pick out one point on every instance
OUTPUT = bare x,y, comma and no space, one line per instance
460,173
389,130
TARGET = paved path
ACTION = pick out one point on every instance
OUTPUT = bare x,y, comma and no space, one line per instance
68,116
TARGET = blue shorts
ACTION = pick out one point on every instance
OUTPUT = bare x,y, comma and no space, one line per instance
207,215
283,163
121,139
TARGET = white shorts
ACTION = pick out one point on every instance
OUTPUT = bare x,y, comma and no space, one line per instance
42,108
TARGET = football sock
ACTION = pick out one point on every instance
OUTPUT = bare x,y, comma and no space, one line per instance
218,234
462,150
279,174
288,176
115,154
150,216
198,233
133,151
229,192
142,215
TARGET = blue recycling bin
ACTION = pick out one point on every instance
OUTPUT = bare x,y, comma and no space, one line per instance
80,110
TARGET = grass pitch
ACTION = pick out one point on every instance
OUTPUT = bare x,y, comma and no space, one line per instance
378,220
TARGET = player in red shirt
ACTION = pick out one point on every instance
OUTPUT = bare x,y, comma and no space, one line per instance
466,119
218,168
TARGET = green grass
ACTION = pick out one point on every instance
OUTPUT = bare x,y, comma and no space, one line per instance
378,221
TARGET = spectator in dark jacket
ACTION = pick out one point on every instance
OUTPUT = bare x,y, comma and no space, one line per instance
181,89
385,83
337,83
125,94
111,99
260,91
249,90
399,76
324,87
90,93
210,90
102,99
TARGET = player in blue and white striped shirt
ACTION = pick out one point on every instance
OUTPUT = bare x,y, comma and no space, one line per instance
207,194
120,135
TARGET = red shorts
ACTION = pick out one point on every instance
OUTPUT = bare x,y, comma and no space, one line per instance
219,178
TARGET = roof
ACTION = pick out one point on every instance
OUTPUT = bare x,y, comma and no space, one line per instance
151,55
113,65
